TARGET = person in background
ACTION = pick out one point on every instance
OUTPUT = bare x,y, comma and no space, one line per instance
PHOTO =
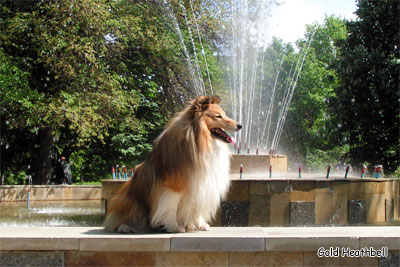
66,170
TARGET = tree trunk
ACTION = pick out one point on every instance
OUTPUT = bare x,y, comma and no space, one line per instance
42,163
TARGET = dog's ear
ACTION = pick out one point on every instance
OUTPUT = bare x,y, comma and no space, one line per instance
205,100
202,103
215,99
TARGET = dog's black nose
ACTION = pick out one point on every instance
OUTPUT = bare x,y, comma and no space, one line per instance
239,126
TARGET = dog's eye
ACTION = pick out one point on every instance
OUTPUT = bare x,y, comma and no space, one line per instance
218,116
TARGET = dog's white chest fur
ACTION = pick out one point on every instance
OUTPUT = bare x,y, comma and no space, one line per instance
217,170
209,184
198,204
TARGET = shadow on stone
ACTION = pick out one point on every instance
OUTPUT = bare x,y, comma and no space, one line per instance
357,212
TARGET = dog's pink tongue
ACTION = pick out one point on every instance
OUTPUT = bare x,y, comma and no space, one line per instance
232,140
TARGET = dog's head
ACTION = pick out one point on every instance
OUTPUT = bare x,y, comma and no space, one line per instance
207,109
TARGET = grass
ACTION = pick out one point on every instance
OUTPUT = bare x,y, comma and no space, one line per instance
88,183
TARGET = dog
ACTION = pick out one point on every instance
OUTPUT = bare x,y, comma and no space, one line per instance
181,183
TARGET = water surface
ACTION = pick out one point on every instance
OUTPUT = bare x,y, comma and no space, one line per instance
51,213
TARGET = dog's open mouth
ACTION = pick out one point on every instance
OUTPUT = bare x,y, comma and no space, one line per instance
223,135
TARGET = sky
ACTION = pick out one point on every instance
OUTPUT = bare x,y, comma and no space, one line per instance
289,19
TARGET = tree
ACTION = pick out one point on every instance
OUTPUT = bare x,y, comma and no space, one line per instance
367,104
87,79
17,101
62,45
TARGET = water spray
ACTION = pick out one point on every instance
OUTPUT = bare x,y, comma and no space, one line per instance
290,92
271,106
196,83
328,171
29,182
118,172
196,58
250,98
241,171
261,97
203,52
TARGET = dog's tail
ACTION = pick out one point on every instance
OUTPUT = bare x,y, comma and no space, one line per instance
126,213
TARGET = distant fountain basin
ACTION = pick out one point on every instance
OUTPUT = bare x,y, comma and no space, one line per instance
258,164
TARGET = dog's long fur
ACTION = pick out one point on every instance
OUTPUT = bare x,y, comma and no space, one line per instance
181,183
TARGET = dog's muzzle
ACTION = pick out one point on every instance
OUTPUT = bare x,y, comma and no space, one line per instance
218,132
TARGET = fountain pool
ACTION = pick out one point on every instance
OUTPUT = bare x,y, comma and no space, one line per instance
310,201
51,213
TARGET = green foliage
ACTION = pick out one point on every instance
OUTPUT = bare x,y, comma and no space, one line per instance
396,174
78,161
319,160
88,183
15,177
18,100
367,105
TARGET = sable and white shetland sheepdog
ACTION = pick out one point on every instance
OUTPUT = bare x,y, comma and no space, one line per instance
180,185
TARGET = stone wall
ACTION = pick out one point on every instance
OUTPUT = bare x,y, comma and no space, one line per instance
230,246
151,258
297,202
11,193
305,202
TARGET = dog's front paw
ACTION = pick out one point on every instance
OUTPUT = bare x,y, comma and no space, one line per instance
204,227
191,227
124,228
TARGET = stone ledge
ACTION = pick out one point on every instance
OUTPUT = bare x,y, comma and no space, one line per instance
219,239
15,193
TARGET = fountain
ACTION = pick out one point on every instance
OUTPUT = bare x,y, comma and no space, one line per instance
263,192
51,213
